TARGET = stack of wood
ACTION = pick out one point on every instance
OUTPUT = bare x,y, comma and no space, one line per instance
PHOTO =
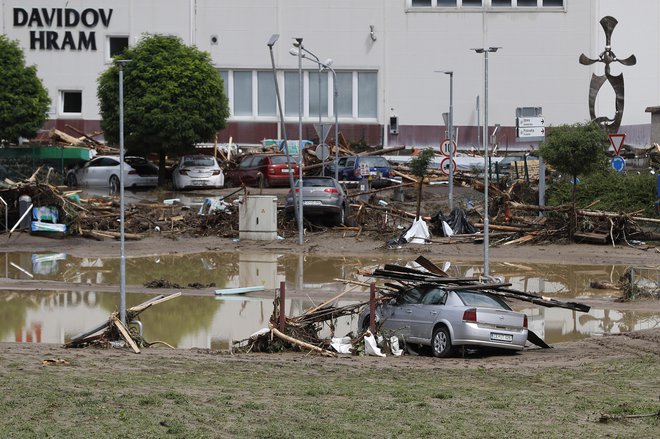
84,140
109,332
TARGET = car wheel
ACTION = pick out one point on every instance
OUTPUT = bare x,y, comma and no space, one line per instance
114,183
441,343
340,218
71,180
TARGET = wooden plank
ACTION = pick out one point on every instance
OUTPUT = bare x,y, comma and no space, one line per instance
125,334
430,266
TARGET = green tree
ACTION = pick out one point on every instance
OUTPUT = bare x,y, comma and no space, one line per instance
24,100
173,98
578,149
419,166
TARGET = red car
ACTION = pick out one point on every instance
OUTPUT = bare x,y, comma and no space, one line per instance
272,169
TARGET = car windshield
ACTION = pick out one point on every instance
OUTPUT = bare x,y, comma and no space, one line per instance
410,297
476,298
199,161
435,296
374,162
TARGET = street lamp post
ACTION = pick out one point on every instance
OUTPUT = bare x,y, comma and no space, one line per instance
325,66
122,252
451,135
271,42
299,44
486,51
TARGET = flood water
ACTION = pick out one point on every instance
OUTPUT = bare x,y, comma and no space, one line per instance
199,319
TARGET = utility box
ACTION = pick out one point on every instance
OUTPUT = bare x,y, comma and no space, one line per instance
257,218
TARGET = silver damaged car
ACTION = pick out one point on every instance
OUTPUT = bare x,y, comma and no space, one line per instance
446,319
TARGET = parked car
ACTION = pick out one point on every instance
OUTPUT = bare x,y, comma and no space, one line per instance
103,171
257,169
444,319
321,196
197,171
352,168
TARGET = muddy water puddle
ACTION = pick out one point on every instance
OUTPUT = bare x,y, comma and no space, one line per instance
203,320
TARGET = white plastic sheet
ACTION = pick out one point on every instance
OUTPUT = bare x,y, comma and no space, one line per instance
394,346
418,233
371,347
342,345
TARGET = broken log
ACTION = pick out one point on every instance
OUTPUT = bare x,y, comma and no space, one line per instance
301,344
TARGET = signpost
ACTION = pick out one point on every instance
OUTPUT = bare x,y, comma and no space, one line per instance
616,140
445,165
618,163
445,149
530,124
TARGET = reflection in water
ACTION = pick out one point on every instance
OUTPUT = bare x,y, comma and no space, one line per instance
209,322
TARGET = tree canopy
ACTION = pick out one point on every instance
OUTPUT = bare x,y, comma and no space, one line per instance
24,100
577,149
173,97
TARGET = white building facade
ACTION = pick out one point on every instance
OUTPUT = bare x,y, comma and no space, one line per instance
386,57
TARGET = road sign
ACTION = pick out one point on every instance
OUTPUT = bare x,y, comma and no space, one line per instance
527,132
524,122
325,127
618,163
444,165
616,140
322,152
444,148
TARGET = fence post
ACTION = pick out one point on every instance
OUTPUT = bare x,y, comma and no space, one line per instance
372,308
282,300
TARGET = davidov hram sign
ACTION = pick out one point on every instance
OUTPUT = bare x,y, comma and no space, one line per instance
55,28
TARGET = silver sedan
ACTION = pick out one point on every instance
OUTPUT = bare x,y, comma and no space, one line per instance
444,319
201,171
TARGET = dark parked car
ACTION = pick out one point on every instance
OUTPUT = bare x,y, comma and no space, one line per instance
354,168
252,170
322,196
444,319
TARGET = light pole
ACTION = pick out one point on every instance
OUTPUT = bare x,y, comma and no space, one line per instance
325,66
296,197
299,45
122,252
451,135
486,51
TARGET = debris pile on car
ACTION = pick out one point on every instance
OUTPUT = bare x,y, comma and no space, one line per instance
303,332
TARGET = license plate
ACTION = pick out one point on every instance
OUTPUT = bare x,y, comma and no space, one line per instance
500,337
286,171
311,203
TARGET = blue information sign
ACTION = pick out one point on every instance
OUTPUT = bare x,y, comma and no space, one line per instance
618,163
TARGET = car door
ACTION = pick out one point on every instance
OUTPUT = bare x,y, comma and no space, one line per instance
398,316
426,313
243,170
347,172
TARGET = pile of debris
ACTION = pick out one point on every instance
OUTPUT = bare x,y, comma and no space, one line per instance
115,333
302,332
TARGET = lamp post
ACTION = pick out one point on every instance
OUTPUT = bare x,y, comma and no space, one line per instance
122,252
451,135
298,44
271,42
486,51
325,66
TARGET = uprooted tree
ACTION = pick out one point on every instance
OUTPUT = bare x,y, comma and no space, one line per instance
575,150
173,98
24,100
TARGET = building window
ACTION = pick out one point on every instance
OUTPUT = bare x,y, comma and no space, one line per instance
71,102
318,84
367,94
252,93
345,94
242,94
267,101
485,4
291,94
116,46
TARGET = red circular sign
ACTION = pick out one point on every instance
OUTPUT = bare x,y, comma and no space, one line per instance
444,165
444,148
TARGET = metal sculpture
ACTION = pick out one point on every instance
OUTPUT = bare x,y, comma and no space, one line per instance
607,57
